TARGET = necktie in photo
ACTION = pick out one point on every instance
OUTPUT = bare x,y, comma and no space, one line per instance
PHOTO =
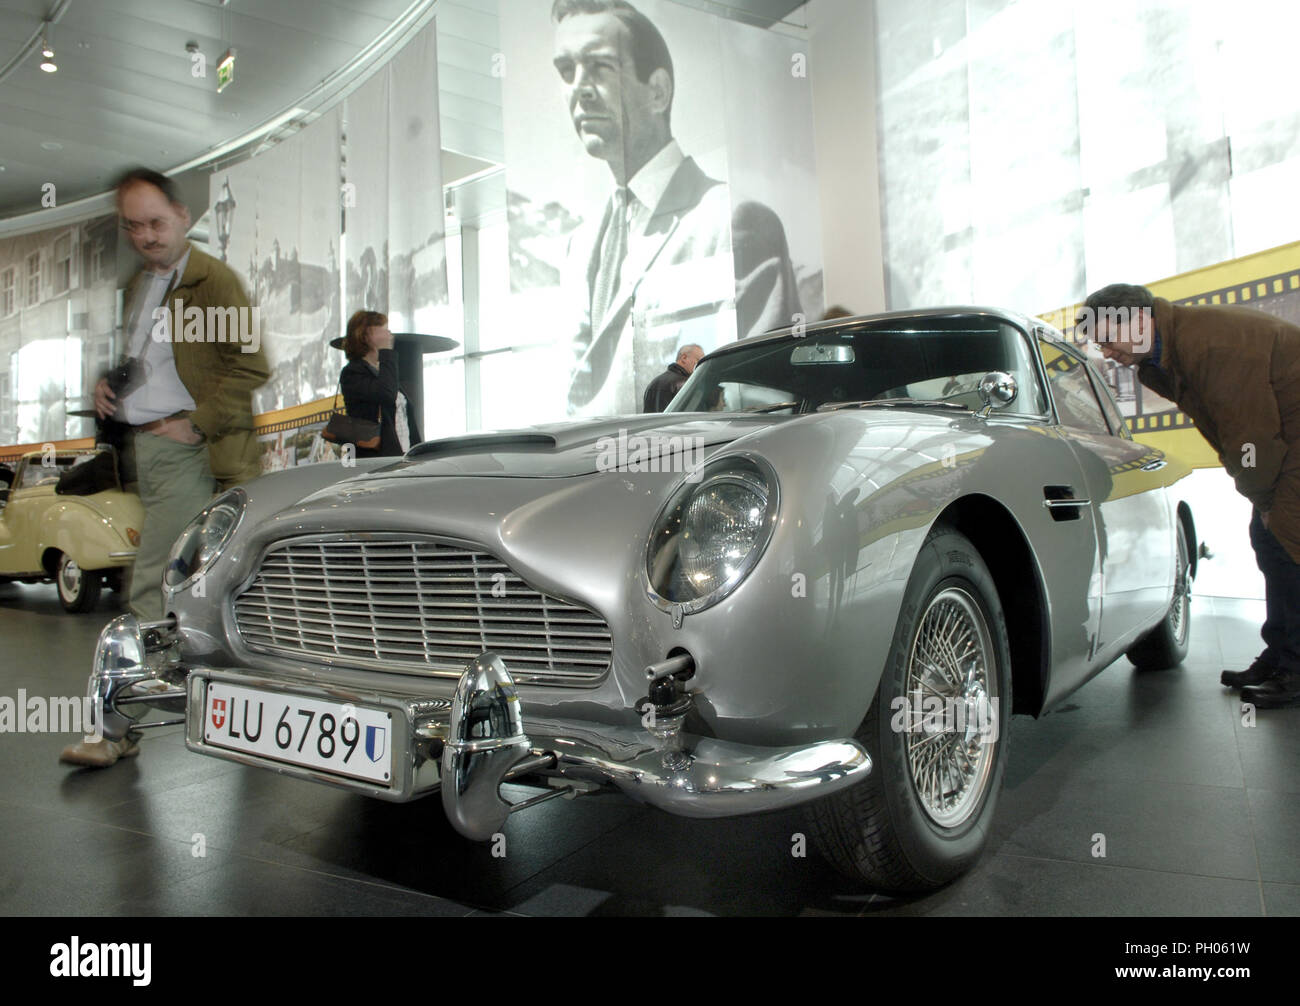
592,372
612,252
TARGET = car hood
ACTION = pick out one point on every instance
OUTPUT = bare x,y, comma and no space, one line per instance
563,450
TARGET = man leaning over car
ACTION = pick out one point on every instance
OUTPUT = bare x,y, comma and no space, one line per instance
188,401
1236,373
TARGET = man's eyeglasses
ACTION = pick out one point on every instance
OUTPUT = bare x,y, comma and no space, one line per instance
139,227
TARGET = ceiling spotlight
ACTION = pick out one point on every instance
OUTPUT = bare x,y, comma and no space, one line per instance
47,54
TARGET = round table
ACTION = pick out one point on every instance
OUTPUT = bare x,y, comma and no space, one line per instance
410,346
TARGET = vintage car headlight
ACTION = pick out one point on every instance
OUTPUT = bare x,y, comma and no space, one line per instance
205,537
711,532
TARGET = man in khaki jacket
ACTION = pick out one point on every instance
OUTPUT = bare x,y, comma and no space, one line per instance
1236,373
195,359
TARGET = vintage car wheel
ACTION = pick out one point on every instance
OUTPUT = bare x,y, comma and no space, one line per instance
923,815
78,588
1166,645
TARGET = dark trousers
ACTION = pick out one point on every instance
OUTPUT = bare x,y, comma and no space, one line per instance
1281,630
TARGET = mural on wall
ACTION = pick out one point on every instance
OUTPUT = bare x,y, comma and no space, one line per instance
58,315
1032,152
299,207
629,233
392,195
284,240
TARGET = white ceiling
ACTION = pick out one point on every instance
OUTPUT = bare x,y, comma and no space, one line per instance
125,95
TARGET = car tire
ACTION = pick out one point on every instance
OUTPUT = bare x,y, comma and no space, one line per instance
883,831
1166,645
78,588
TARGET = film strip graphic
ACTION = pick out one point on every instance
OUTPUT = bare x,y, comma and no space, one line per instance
286,425
1160,422
1252,291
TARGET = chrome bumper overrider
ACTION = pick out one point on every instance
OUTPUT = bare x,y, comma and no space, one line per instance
471,744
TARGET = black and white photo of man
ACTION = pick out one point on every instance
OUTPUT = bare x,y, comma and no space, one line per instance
655,269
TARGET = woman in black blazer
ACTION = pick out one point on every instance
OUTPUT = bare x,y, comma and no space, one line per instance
370,385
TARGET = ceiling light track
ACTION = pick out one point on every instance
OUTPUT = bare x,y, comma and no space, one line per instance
37,39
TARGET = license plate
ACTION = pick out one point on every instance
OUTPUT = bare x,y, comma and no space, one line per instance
347,740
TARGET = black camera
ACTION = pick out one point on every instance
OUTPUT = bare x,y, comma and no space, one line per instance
125,377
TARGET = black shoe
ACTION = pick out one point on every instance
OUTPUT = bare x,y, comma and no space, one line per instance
1256,674
1276,692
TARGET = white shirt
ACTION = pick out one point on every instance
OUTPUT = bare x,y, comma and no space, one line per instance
162,394
646,188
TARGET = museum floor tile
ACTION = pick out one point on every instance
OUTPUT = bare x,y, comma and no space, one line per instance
1145,794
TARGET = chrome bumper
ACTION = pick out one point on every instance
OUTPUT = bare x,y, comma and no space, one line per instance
470,745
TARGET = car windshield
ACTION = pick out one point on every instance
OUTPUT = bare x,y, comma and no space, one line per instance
47,469
928,360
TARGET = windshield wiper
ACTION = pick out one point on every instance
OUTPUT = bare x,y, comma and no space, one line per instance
771,408
894,403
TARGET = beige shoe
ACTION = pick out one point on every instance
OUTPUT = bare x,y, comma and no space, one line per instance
100,753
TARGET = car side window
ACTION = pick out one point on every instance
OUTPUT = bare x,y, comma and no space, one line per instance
1118,425
1076,402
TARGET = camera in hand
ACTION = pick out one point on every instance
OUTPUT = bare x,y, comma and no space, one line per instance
125,377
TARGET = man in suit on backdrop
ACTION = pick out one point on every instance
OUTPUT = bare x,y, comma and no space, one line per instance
656,269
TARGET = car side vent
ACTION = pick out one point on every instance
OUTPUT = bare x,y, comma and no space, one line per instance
1062,504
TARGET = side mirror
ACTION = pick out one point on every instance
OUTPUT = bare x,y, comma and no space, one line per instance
998,389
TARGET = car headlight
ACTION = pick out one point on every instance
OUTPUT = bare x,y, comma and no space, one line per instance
204,539
711,532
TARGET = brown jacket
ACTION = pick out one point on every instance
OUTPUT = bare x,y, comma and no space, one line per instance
219,375
1236,373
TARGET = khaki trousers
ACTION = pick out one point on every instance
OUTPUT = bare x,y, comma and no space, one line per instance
174,482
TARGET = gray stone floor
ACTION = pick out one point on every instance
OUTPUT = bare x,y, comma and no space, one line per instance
1200,815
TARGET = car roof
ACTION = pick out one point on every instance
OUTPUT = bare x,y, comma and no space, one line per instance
1022,321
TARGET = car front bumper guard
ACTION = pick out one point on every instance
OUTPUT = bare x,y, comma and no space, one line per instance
472,744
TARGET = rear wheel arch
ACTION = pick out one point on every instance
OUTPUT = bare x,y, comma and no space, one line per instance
996,535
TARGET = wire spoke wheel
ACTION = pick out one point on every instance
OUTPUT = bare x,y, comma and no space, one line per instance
1179,621
951,689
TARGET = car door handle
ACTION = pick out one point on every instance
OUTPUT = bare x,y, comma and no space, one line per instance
1062,504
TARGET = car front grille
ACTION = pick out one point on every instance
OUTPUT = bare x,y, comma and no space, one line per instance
416,605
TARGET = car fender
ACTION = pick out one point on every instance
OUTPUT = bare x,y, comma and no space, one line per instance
92,530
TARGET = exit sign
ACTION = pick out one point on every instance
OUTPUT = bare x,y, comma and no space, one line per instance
226,70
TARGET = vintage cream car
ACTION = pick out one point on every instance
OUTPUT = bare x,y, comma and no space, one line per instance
79,542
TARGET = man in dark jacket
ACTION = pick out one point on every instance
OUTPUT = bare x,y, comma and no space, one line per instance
1236,373
662,389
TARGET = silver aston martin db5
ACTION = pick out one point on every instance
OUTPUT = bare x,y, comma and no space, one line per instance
827,576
